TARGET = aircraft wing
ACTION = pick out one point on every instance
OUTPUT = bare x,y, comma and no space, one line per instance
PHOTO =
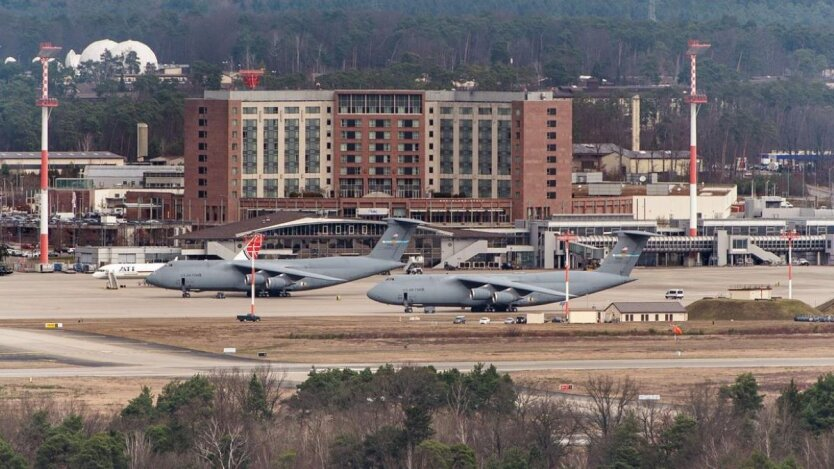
295,274
474,281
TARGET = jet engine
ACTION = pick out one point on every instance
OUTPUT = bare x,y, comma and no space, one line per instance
260,279
278,283
506,297
480,294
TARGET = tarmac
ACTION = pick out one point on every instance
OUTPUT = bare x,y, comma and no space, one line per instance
68,297
58,296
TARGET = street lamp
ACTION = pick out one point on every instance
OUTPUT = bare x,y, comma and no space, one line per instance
790,235
830,189
567,238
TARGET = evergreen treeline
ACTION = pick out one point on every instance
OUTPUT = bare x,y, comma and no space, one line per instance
762,74
417,417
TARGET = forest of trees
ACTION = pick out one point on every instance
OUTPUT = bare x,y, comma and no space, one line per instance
763,73
419,418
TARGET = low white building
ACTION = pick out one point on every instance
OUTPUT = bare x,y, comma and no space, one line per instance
751,292
648,311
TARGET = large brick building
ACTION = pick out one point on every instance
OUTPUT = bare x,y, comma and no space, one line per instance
441,156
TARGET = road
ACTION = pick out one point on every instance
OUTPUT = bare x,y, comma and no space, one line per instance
86,355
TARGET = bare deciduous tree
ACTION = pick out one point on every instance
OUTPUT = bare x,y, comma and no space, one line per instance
609,400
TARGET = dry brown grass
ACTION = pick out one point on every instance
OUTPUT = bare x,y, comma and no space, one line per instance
102,394
397,340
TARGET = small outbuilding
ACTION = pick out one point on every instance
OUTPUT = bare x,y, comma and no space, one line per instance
751,292
584,316
647,311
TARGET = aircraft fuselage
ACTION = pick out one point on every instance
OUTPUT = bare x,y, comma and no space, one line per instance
444,289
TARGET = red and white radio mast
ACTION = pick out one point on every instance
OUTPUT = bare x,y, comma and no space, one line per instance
694,99
47,52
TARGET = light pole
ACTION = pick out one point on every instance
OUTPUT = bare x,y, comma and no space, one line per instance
253,247
790,235
567,238
830,189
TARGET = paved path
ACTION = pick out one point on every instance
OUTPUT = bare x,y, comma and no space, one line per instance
100,356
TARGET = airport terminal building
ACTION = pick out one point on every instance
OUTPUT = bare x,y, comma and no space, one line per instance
439,156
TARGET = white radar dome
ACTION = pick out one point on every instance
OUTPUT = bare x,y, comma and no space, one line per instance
73,60
94,51
144,53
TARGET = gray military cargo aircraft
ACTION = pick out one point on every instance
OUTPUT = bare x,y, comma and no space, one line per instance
280,277
508,292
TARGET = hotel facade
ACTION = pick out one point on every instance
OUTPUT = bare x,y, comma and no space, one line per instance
440,156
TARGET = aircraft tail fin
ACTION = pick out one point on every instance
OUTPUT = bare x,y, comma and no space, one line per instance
395,239
251,248
622,259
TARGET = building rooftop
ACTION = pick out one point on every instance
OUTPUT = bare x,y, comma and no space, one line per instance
328,95
648,307
66,155
238,229
602,149
289,218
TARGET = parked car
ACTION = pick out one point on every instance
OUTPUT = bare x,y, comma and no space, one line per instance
459,320
509,321
801,261
557,319
248,317
414,270
5,270
484,321
676,294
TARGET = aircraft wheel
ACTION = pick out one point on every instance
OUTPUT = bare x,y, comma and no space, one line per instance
408,310
513,309
186,294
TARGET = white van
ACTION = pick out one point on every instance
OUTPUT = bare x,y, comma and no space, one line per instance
674,295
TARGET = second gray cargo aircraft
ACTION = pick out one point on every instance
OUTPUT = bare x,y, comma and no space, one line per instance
508,292
280,277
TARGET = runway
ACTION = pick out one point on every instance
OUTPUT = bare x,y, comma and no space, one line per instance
86,355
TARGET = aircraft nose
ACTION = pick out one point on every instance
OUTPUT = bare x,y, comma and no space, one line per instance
376,293
155,277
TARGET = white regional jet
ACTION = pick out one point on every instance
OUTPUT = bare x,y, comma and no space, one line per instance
127,270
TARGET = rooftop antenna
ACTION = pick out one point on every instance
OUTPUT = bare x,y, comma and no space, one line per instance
251,77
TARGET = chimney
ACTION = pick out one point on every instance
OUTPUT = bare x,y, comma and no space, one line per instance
141,142
635,122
